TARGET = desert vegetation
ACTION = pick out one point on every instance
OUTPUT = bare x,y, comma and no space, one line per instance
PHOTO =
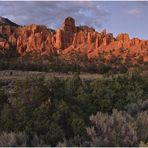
80,63
109,111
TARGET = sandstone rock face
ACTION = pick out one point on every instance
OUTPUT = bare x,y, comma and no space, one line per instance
69,39
35,39
4,44
69,25
124,37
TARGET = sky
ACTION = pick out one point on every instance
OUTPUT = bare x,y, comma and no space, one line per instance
116,16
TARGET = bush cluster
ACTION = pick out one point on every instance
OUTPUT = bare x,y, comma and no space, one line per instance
109,111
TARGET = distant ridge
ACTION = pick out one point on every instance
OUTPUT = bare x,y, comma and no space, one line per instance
5,21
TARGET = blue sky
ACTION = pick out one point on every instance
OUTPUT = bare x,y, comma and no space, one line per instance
116,17
131,17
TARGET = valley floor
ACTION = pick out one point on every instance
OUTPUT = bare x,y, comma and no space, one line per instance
20,75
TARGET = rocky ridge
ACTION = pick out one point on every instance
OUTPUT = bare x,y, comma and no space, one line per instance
68,40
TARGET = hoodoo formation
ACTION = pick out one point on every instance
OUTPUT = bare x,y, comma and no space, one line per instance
67,40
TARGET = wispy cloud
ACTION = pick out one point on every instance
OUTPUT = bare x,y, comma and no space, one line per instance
52,13
135,12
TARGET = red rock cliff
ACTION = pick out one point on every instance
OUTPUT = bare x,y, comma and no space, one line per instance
36,39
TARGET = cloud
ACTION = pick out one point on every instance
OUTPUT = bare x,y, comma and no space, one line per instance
52,13
135,12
